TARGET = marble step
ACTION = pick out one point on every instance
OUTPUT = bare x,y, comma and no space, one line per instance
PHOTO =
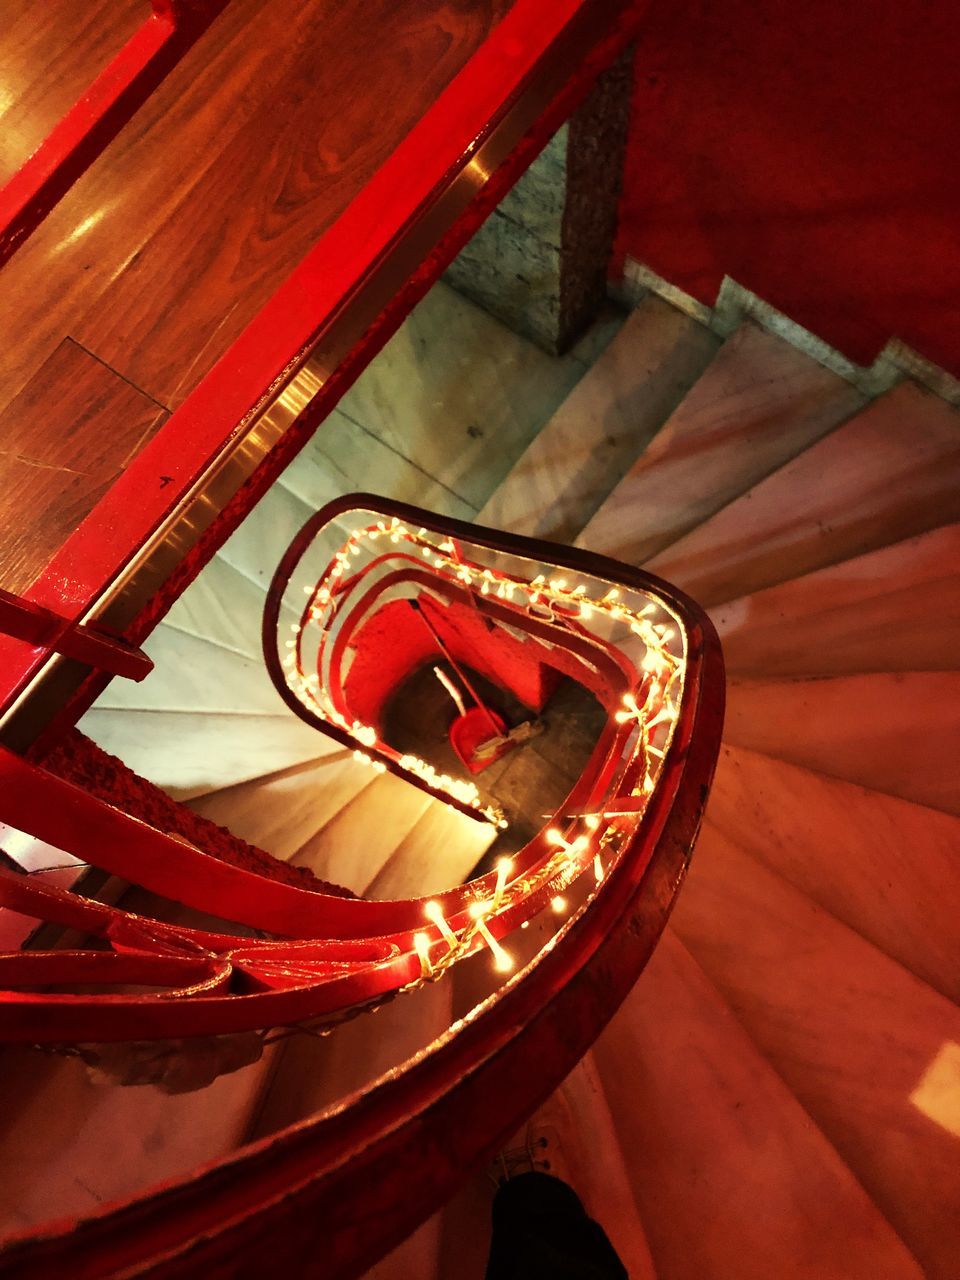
733,1179
257,546
345,457
195,675
223,606
887,868
311,1072
893,732
76,1143
190,753
895,609
890,473
575,1133
460,395
760,402
281,811
437,854
597,433
353,847
870,1051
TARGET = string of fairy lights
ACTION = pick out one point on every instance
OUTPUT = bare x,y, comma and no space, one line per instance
590,841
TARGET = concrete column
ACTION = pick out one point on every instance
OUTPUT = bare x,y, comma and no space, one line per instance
539,262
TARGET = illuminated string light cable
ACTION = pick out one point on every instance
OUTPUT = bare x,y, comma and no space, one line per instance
651,707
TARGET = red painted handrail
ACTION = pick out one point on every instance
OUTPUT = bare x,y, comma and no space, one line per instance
368,1173
44,629
97,117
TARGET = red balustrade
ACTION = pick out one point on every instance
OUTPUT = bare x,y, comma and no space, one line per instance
615,851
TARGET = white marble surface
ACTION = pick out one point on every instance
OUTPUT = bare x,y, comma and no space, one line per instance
190,754
885,867
890,473
222,605
352,848
851,1032
894,609
438,853
891,731
281,812
598,432
733,1179
460,395
758,404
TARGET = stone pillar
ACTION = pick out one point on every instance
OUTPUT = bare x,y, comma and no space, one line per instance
539,262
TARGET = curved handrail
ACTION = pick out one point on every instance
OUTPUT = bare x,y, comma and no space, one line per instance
353,1181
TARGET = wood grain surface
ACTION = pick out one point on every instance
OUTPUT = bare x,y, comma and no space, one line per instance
50,53
160,255
63,439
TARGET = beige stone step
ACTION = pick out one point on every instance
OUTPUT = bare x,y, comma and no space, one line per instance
895,609
895,732
460,395
354,846
758,404
222,605
70,1144
733,1179
281,811
583,1148
890,473
870,1051
597,433
256,547
190,754
437,854
195,675
887,868
418,1255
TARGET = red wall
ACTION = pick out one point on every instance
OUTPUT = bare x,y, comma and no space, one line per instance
811,151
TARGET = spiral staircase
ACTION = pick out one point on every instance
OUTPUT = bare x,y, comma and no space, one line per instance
780,1093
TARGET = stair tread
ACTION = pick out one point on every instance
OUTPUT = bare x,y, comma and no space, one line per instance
436,854
883,866
196,675
733,1179
192,753
891,472
894,609
354,845
460,419
256,547
223,606
579,1116
281,811
795,632
758,403
893,732
868,1049
345,457
578,457
76,1144
315,1072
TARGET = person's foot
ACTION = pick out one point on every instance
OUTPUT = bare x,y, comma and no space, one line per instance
539,1150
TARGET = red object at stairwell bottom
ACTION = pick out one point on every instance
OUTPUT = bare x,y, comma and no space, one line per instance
471,731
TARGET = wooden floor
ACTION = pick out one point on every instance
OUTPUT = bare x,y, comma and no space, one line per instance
160,255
